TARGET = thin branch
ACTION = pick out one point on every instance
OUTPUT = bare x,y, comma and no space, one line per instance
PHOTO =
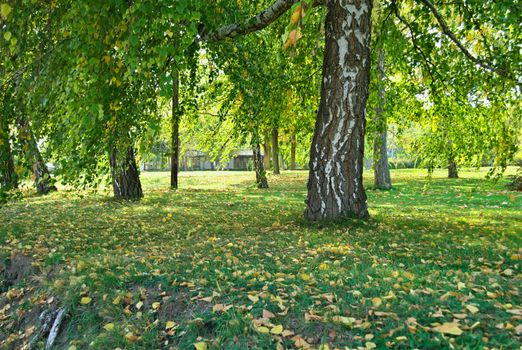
413,39
258,22
447,31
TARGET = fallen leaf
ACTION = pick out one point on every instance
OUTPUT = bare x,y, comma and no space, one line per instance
200,345
263,330
277,330
472,308
218,307
347,321
170,324
109,327
376,302
369,345
85,300
131,337
300,342
448,328
267,314
155,305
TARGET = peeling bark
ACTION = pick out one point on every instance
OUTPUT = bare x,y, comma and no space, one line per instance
55,329
381,170
275,150
125,175
175,117
41,175
335,186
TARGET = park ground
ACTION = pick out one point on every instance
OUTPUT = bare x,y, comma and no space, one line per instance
219,264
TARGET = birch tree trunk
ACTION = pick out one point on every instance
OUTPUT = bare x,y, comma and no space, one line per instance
261,180
8,177
275,150
382,179
293,146
125,175
335,186
41,175
174,156
453,172
266,150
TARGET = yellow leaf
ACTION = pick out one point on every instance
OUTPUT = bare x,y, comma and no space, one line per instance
170,324
131,337
347,321
448,328
324,347
155,305
323,266
169,33
106,58
296,15
370,345
109,327
472,308
263,330
5,10
277,330
139,304
376,302
218,307
305,277
253,298
85,300
200,345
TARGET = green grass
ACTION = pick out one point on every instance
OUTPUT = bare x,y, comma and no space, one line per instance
432,250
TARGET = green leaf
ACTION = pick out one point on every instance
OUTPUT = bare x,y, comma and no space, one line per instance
5,10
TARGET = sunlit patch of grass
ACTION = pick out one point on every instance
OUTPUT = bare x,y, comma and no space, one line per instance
217,253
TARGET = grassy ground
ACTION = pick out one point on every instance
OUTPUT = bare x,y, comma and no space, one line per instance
220,264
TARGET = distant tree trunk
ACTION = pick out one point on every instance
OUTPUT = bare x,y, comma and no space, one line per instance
293,146
8,177
42,178
266,150
335,183
174,156
275,150
382,179
453,172
261,180
125,175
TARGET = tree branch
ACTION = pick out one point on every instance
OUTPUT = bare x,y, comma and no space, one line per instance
258,22
413,36
447,31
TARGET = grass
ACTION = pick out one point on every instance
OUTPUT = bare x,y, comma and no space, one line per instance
223,265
